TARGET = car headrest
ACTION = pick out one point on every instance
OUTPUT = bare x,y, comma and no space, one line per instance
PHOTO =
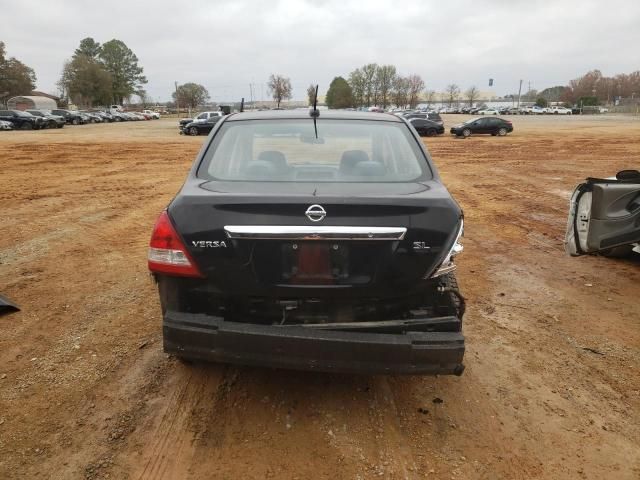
350,159
275,158
369,169
261,169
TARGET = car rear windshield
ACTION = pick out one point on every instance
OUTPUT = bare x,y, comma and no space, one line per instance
288,151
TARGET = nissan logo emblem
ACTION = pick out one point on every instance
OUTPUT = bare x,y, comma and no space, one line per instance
315,213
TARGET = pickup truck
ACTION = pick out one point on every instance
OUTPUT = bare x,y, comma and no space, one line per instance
202,117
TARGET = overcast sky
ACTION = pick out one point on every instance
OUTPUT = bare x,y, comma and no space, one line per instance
226,45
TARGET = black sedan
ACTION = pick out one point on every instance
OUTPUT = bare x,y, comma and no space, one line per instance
493,126
426,128
200,127
319,241
21,120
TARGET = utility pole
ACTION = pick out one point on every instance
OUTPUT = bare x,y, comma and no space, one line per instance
177,101
519,92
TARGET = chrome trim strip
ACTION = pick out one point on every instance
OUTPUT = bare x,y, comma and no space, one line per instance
284,232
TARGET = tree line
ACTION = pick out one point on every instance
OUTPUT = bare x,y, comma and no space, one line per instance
593,86
15,77
374,85
101,74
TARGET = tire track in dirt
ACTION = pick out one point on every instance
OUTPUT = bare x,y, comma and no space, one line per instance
169,442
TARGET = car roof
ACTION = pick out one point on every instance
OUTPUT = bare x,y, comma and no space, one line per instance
304,114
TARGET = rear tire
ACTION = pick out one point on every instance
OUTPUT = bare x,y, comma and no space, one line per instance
431,132
75,121
502,132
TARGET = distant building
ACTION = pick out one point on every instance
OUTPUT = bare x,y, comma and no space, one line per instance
31,102
37,93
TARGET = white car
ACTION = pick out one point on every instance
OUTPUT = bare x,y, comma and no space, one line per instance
488,111
4,125
561,111
154,115
603,109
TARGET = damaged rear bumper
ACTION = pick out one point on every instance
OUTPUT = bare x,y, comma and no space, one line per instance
210,338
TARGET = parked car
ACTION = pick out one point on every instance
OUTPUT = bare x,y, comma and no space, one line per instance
49,120
71,117
22,120
91,117
287,248
493,126
487,111
427,128
119,116
154,115
536,110
604,216
199,118
402,113
105,116
510,111
200,127
560,111
4,125
433,116
603,109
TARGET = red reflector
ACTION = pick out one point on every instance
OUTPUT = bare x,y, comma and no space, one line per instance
167,253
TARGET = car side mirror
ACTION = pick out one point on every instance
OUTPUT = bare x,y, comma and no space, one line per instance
627,175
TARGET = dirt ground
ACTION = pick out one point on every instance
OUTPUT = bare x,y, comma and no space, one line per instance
551,390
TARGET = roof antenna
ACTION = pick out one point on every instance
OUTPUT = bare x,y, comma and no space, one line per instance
242,105
315,113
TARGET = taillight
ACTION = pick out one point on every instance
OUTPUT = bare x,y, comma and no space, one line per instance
167,253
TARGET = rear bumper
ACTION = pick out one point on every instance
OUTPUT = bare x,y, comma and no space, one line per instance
211,338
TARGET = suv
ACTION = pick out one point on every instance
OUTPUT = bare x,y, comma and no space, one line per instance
22,120
312,240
